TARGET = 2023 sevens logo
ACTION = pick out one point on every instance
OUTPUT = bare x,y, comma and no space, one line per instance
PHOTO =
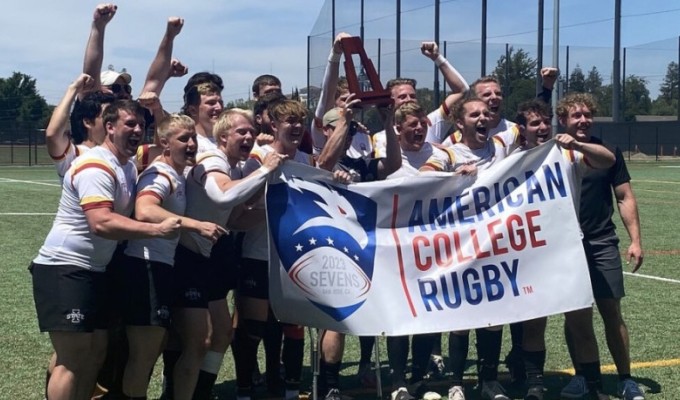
325,237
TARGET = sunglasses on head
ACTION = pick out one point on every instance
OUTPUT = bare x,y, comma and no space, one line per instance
118,88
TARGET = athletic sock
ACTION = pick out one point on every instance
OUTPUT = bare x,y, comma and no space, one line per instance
292,356
212,362
488,352
458,352
170,358
623,377
366,344
330,376
593,375
421,349
534,364
397,355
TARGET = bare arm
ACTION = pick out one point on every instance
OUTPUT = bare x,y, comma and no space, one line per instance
335,145
110,225
56,139
94,52
330,78
597,155
392,160
459,87
149,209
628,209
163,67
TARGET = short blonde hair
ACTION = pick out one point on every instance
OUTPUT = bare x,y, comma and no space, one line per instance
173,122
574,99
226,120
281,110
406,109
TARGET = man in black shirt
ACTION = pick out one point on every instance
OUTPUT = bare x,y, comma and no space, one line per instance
606,272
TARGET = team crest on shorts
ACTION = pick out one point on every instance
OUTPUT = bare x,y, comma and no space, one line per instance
75,316
325,238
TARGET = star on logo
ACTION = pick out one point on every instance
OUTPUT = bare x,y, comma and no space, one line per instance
345,249
312,241
356,257
330,241
298,247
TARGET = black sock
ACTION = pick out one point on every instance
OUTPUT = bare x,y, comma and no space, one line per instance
330,376
623,377
292,356
170,358
534,363
516,334
204,385
437,344
397,355
593,375
489,352
420,355
245,357
458,352
366,344
272,340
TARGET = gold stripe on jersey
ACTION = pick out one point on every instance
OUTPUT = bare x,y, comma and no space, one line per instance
92,163
149,193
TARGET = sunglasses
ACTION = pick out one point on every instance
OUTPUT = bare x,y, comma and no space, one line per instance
118,88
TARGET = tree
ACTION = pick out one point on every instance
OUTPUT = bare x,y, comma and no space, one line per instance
517,78
22,108
637,100
593,82
577,81
668,91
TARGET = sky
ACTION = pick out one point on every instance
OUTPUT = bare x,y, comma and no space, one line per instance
242,39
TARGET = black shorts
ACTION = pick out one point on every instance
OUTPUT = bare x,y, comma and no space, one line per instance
69,298
143,291
253,279
191,274
224,260
606,270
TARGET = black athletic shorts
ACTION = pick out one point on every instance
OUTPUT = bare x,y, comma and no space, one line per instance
143,290
224,260
253,279
70,298
191,274
606,270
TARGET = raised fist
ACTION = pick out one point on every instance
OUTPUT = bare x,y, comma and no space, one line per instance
177,69
337,43
430,50
175,25
104,13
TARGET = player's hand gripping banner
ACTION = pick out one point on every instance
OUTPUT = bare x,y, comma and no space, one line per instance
430,253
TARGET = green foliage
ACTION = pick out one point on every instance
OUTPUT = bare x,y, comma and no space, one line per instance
517,78
577,81
21,106
636,99
668,91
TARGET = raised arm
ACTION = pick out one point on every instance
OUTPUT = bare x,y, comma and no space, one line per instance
56,139
163,66
392,160
94,51
335,145
548,77
628,209
453,78
330,78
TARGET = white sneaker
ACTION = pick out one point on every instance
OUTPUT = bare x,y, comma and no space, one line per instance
576,388
456,393
492,390
401,394
432,396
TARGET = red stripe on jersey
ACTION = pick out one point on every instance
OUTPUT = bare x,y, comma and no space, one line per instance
93,164
149,193
98,204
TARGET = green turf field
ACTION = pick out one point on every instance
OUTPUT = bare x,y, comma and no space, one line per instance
29,197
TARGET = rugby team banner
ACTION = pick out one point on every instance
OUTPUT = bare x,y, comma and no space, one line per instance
430,253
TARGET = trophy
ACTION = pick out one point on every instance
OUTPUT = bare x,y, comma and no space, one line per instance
370,91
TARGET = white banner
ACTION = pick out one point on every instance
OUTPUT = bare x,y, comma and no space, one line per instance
430,253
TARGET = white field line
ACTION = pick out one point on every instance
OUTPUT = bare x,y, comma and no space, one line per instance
655,181
656,278
8,180
26,213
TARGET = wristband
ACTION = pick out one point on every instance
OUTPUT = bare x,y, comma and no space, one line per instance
264,170
334,57
439,60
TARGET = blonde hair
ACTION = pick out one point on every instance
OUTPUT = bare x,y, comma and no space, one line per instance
226,120
170,124
281,110
574,99
406,109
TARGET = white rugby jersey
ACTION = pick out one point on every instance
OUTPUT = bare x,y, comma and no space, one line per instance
95,180
64,161
440,125
504,128
412,161
199,206
256,240
205,143
163,182
497,147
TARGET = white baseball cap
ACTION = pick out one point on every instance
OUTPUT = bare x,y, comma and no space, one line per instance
109,77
